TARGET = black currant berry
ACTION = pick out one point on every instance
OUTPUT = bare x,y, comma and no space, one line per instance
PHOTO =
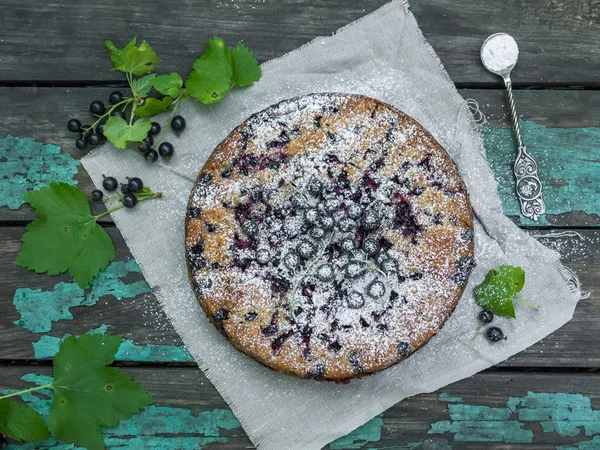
100,129
370,246
155,128
88,130
115,97
151,156
314,186
494,334
129,200
81,143
135,184
166,149
110,183
125,189
120,114
97,195
486,316
74,125
144,147
178,123
354,211
94,139
97,108
149,139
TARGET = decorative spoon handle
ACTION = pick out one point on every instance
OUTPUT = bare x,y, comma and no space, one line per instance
529,186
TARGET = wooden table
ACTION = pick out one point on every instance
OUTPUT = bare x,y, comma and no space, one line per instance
53,64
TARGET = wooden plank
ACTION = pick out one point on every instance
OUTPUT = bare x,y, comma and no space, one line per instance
151,337
498,410
562,130
63,42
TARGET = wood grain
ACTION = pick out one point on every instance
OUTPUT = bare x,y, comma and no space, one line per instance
42,113
409,421
63,42
142,320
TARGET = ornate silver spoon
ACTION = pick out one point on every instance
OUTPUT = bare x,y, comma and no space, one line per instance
499,54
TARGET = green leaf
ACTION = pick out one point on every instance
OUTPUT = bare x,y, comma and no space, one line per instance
154,106
65,236
89,395
141,86
118,56
119,132
212,76
499,288
136,60
245,66
21,422
168,84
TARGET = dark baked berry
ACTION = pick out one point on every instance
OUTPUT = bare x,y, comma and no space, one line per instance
97,195
129,200
316,232
263,256
151,156
354,211
327,223
250,227
110,183
74,126
486,316
311,216
332,205
347,244
178,123
135,184
389,266
155,128
325,272
81,143
376,289
227,173
250,316
346,224
115,97
306,249
355,269
299,200
291,261
494,334
355,300
97,108
314,186
403,348
371,219
293,226
370,246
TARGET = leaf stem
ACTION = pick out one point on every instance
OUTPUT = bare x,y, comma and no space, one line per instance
525,302
175,104
141,197
112,108
36,388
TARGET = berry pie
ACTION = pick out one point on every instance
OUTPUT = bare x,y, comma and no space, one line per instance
329,236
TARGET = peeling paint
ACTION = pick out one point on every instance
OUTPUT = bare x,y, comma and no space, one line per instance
38,309
150,427
27,165
47,347
369,432
559,153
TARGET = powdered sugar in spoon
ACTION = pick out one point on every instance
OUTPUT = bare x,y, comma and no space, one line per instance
499,54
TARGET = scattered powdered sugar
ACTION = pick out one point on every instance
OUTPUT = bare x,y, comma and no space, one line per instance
341,230
500,52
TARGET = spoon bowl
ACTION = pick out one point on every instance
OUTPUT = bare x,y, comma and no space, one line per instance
499,53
